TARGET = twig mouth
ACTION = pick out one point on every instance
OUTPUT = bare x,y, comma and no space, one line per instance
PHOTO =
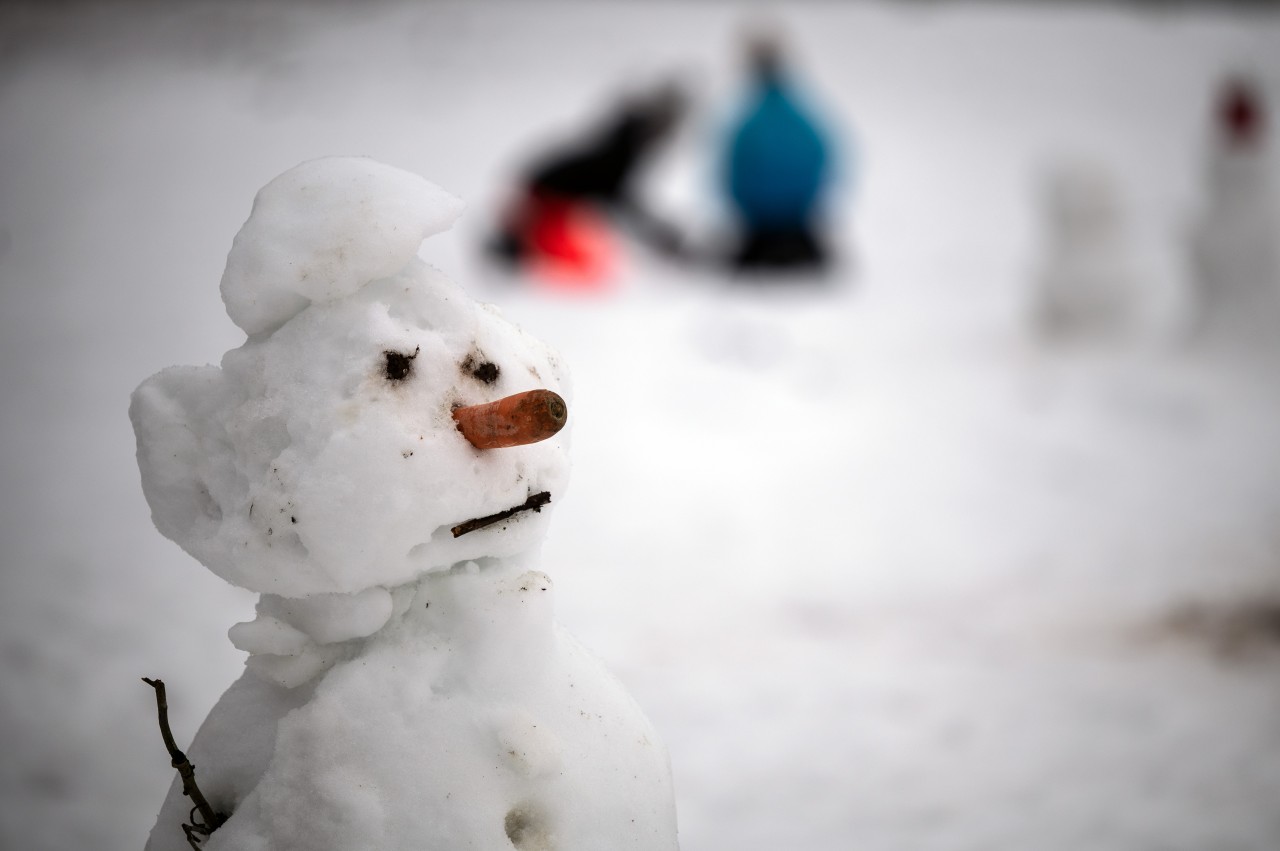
533,503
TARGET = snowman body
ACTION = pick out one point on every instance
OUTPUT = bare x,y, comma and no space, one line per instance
407,684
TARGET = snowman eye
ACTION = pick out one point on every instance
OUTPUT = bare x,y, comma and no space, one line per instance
399,365
486,372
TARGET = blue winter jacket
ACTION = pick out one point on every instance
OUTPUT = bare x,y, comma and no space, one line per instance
778,162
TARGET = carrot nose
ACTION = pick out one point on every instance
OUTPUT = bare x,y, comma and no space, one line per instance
512,421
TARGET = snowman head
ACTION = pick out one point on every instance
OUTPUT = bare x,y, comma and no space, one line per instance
325,455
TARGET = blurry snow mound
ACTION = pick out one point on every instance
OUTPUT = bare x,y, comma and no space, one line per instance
1087,286
324,229
321,457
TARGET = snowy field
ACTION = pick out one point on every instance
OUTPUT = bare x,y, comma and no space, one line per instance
885,572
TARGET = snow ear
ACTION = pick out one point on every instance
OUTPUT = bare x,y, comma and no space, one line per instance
182,450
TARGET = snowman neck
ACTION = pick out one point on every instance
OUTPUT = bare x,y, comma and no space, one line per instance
294,639
488,567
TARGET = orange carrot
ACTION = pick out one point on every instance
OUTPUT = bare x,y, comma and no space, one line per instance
512,421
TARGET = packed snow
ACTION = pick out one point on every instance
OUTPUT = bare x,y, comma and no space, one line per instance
883,568
315,236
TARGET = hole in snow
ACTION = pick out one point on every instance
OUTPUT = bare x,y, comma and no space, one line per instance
527,829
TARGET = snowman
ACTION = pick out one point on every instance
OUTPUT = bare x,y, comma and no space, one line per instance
378,461
1235,258
1087,286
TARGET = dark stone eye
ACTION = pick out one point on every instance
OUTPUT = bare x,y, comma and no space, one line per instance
483,371
487,372
399,365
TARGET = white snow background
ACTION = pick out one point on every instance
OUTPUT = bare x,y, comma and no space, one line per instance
885,573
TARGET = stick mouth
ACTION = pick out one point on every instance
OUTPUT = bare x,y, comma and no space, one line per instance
515,420
533,503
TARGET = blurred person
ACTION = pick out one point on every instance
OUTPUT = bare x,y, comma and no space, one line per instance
777,170
570,202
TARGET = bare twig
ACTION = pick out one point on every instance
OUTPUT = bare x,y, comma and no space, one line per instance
210,820
533,503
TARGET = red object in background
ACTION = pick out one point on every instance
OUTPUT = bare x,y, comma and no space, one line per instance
1240,114
568,244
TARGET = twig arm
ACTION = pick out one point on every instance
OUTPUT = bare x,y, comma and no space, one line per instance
212,820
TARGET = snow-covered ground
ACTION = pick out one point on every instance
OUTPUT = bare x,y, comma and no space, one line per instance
885,572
